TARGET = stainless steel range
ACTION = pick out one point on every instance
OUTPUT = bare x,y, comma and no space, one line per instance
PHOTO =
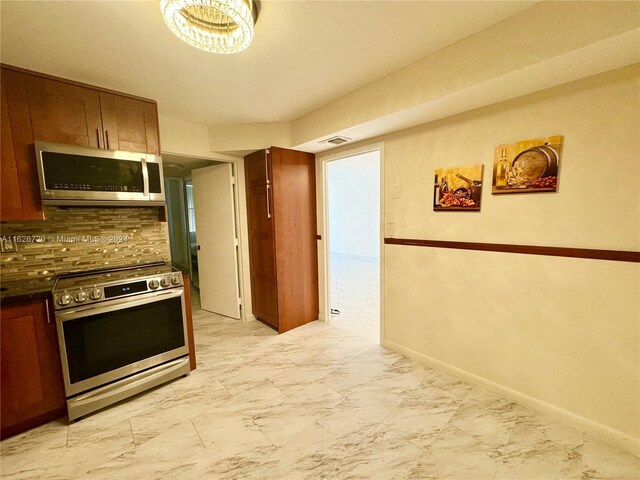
120,332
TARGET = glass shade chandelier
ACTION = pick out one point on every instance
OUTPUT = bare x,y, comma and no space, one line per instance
218,26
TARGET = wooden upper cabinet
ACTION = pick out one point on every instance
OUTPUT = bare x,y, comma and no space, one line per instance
39,107
10,192
64,113
76,115
20,191
257,168
129,124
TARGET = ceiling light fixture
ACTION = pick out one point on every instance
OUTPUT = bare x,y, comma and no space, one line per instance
218,26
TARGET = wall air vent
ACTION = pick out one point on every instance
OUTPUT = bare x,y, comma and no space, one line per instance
337,140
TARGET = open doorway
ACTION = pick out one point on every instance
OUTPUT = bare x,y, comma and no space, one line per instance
353,247
174,189
204,230
214,200
191,232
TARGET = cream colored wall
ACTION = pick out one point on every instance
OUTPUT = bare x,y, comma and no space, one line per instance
564,331
185,138
556,333
251,137
190,139
598,118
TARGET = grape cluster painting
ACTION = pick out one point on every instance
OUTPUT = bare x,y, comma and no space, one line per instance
458,188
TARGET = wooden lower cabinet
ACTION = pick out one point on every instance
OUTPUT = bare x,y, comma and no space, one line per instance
281,208
264,298
32,389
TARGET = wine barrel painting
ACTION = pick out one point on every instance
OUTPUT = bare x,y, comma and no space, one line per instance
527,166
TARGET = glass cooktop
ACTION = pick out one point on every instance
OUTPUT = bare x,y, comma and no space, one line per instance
112,276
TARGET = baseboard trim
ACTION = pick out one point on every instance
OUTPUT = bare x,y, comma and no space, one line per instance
608,434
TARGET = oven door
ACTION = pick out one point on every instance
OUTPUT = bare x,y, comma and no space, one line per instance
105,342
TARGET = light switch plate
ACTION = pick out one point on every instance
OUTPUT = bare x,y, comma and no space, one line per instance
389,229
7,245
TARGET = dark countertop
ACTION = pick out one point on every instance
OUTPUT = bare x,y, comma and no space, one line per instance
29,289
182,268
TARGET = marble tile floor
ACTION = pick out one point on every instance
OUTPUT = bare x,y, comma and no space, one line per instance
355,291
314,403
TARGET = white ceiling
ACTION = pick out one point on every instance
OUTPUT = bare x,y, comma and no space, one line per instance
304,54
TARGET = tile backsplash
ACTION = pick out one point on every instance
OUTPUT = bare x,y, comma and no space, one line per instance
78,239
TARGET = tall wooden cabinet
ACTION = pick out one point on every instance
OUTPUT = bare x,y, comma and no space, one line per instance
40,107
281,208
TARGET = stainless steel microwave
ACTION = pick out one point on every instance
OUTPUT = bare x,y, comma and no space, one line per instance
72,175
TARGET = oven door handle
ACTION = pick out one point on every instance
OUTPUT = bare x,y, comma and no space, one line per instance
117,305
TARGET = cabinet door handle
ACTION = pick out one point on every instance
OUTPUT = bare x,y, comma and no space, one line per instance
266,166
46,301
106,137
98,134
268,207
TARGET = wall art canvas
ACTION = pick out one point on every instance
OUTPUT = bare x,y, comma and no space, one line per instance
527,166
458,188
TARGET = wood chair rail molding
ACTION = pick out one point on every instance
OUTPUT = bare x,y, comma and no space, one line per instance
614,255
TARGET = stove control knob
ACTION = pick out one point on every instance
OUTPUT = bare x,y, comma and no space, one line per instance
165,282
64,300
96,294
153,284
81,297
176,280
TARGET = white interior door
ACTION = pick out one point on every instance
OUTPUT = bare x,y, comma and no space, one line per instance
217,239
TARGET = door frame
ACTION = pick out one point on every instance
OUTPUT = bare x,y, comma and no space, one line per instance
240,208
322,198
